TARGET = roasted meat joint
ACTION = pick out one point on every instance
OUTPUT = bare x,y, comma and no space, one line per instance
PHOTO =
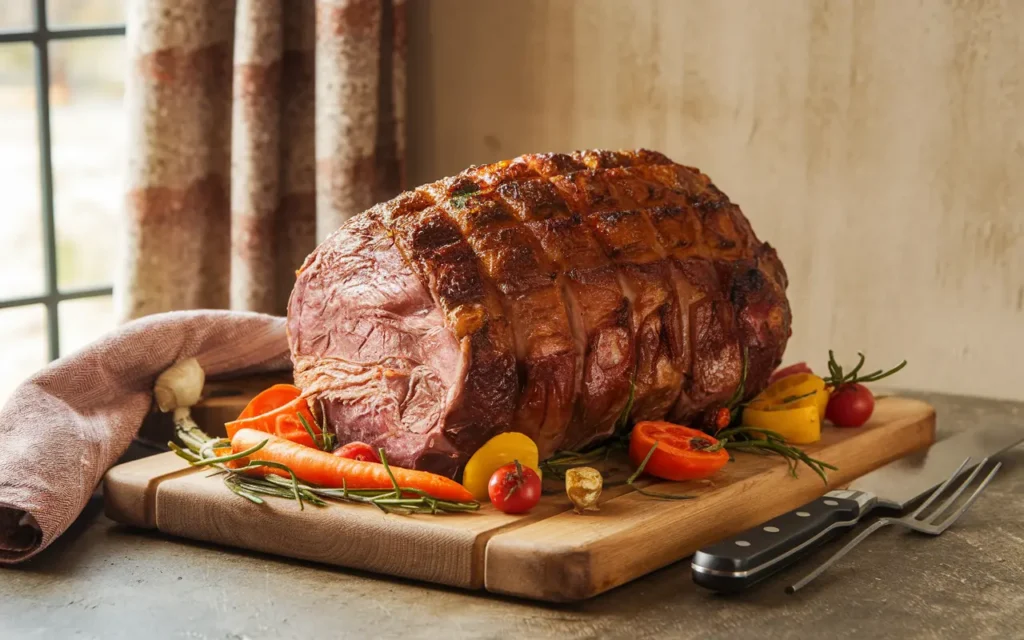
556,295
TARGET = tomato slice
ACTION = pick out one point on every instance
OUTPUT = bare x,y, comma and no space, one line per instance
682,452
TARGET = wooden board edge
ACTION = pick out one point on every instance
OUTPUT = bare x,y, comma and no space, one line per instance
576,573
130,488
343,535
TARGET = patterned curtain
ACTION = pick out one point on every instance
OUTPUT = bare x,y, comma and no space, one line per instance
256,128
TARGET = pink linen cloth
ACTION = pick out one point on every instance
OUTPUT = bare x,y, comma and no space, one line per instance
70,422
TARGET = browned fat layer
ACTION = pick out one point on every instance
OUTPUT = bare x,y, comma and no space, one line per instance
602,386
515,264
631,242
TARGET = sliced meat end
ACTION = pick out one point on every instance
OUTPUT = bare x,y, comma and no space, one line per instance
483,404
383,368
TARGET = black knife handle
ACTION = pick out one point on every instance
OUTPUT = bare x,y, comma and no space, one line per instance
745,559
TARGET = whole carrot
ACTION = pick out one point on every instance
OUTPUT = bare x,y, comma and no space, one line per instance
324,469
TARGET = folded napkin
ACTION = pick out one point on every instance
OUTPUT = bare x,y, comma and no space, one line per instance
67,424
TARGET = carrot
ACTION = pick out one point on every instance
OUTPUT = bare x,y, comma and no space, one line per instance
279,419
324,469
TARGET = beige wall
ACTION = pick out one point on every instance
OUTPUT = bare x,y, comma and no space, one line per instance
879,145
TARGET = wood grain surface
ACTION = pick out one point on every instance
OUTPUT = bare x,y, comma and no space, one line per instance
877,144
550,554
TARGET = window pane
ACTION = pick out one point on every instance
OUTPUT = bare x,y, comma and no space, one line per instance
82,321
21,242
77,13
23,345
87,88
16,15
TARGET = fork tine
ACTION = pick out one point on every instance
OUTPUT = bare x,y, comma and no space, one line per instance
948,522
803,582
956,494
935,494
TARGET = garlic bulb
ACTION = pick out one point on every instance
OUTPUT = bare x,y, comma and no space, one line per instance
180,386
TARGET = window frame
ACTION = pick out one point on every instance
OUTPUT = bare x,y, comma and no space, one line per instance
40,37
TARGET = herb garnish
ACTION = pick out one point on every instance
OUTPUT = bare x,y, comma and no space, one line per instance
398,499
463,193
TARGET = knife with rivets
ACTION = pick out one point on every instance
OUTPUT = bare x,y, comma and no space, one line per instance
743,560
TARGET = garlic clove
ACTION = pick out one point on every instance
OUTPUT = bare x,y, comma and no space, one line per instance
583,486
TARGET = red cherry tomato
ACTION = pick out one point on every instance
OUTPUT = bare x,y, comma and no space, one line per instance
514,488
357,451
799,367
850,405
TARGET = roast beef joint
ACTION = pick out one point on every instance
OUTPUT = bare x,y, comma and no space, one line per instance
557,295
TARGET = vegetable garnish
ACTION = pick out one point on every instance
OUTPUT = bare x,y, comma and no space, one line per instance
499,451
640,469
583,486
782,372
851,403
799,425
357,451
838,378
277,478
291,420
514,488
324,469
683,454
765,441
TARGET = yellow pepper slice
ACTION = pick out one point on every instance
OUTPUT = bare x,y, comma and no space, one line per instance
497,452
793,392
801,425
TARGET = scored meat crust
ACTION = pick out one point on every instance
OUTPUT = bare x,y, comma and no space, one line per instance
549,294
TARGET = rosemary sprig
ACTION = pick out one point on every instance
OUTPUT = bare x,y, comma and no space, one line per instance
837,377
653,494
397,499
324,441
763,441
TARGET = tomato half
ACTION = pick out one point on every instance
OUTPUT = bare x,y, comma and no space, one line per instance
682,453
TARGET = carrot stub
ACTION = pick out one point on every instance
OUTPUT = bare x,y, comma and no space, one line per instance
276,410
327,470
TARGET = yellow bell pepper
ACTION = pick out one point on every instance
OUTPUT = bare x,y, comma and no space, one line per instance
798,426
793,392
497,452
793,407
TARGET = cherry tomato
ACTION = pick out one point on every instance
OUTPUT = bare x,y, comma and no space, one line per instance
514,488
850,405
357,451
682,453
799,367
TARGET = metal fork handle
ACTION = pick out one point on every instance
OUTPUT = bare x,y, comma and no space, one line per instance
875,526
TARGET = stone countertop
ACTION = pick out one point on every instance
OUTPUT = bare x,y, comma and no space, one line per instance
102,580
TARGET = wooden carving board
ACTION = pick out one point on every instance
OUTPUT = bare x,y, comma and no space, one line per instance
550,554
